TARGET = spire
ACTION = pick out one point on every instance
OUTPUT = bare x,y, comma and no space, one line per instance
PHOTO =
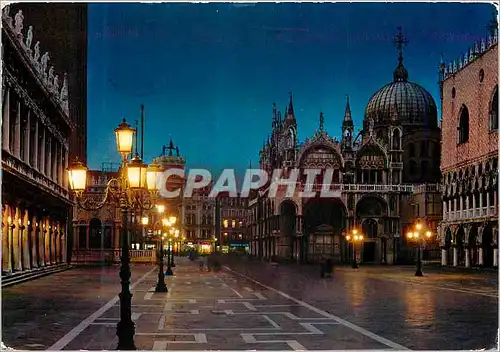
347,114
290,107
321,122
400,73
170,147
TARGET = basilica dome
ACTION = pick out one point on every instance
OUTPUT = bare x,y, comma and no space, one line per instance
402,101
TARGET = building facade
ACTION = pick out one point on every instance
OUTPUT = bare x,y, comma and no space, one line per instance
233,223
36,135
199,219
372,176
469,160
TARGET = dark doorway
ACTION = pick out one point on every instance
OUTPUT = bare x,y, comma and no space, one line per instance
95,230
487,247
369,252
369,229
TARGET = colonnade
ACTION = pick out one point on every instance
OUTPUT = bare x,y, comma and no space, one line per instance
29,138
30,239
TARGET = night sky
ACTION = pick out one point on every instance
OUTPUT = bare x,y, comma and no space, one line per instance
208,74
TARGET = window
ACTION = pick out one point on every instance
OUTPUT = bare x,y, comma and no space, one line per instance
453,93
494,111
481,75
411,150
463,127
424,149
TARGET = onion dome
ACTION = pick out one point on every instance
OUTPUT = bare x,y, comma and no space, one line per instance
401,100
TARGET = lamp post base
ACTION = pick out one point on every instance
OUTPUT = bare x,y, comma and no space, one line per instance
355,265
125,332
419,272
169,272
160,285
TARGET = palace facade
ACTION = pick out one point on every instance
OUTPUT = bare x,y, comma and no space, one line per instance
469,160
384,179
37,132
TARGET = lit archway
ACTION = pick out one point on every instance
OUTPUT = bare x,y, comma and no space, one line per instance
95,233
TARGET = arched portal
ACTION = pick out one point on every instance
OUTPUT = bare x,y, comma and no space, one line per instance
459,244
487,246
95,232
448,245
287,226
371,212
324,222
370,229
472,246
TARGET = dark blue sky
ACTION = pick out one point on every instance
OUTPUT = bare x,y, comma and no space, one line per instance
209,73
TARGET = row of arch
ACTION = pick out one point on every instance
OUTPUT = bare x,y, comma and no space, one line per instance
95,234
470,245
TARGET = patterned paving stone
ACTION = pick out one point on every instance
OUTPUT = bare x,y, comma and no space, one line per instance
289,308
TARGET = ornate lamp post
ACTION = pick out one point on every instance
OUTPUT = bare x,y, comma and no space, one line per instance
354,238
136,187
419,235
169,271
176,241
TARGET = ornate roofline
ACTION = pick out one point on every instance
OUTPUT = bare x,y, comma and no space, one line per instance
474,52
47,80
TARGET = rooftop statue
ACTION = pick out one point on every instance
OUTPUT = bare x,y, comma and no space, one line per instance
19,18
36,55
44,60
29,37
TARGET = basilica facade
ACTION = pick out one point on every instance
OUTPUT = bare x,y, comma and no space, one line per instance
385,178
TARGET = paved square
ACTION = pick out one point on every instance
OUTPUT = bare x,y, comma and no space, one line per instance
219,311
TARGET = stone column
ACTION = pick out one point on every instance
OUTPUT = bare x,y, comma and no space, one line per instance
76,235
26,241
65,182
467,257
33,247
55,160
35,147
495,257
87,237
445,211
27,138
5,238
6,120
480,256
455,256
41,241
41,167
48,166
444,257
17,131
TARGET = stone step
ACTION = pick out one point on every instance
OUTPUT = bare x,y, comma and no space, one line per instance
17,278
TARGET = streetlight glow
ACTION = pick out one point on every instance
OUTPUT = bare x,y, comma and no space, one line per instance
161,208
153,175
145,220
124,138
172,220
77,175
136,172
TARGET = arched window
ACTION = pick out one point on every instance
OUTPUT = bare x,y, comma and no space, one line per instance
411,150
463,126
494,111
395,139
424,170
424,149
413,168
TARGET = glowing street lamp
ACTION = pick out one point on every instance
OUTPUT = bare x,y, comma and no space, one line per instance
419,236
128,192
354,237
